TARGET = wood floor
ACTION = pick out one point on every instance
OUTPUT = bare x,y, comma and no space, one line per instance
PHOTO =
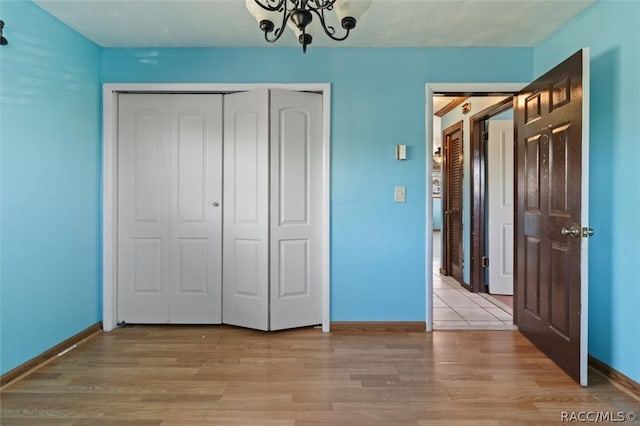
221,375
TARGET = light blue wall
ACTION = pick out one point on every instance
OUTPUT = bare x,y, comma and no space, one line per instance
378,101
50,177
505,115
611,29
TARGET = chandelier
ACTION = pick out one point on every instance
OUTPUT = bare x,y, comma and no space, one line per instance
299,15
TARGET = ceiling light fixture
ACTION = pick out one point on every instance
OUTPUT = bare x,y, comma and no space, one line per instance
3,41
437,156
298,15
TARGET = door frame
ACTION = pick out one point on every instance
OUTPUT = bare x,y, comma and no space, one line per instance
110,93
478,207
430,89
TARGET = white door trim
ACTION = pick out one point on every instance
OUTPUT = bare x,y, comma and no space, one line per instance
430,89
109,178
584,244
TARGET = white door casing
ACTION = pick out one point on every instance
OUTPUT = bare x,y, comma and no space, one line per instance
169,231
296,219
246,210
500,206
110,166
430,90
584,197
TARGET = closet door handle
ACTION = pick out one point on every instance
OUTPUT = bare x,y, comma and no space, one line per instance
216,204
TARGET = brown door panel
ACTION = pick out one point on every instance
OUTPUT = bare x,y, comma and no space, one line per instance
548,120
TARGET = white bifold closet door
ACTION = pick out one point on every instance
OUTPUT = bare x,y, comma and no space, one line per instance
193,251
272,209
500,180
169,214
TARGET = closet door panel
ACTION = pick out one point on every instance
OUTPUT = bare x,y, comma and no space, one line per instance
196,221
144,134
246,214
296,209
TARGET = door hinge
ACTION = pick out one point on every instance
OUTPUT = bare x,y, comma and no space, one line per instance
587,232
485,261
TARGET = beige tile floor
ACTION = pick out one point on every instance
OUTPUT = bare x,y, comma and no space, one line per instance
456,308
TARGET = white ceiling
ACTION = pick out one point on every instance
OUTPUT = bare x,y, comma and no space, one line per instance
388,23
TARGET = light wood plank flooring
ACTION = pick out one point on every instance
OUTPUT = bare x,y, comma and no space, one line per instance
220,375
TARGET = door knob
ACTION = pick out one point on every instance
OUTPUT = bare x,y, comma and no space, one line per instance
215,204
574,231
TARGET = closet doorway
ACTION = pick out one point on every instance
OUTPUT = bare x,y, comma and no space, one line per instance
216,206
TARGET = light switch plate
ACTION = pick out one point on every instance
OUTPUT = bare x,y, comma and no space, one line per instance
400,194
401,152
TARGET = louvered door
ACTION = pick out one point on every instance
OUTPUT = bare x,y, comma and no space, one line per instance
453,200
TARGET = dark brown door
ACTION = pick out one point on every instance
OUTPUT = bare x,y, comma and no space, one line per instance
549,143
453,200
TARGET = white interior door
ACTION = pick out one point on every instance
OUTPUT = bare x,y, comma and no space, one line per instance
296,209
246,210
500,205
169,174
